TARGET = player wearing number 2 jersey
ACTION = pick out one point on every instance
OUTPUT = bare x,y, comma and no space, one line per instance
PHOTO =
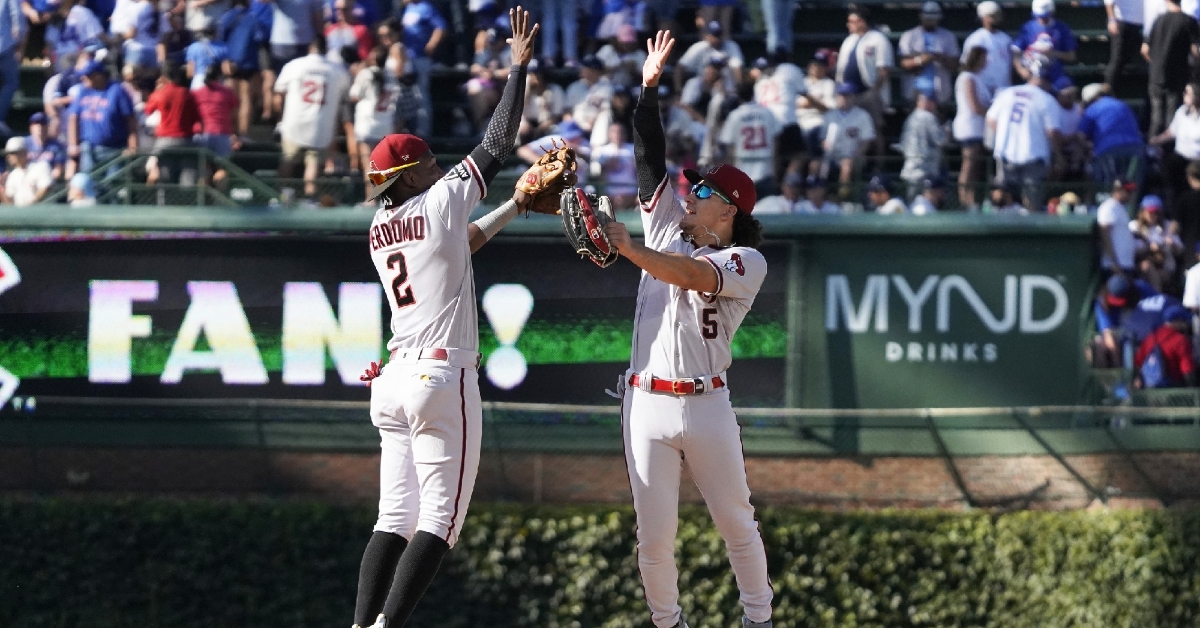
700,276
426,402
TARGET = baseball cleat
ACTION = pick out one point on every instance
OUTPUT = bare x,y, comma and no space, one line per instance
680,624
380,622
746,623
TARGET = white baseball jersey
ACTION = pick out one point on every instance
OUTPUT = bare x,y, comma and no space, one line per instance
375,111
751,130
818,90
845,131
314,88
778,92
421,252
997,73
679,333
1024,115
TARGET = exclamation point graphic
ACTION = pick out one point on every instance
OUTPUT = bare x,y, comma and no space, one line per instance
507,307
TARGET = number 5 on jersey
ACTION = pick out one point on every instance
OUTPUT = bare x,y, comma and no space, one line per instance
402,293
708,323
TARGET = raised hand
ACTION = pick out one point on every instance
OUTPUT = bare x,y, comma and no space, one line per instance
522,36
657,52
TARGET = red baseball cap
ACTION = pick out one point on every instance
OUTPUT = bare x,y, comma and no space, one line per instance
732,183
395,153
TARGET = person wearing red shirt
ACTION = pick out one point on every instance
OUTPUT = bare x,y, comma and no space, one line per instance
1172,341
178,116
347,32
218,113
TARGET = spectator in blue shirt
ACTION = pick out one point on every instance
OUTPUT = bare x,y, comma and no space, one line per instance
424,29
12,33
204,53
101,121
243,35
44,148
1112,128
1121,319
1045,35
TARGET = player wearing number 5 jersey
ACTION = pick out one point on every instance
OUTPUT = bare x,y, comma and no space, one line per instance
313,88
1026,120
700,275
426,402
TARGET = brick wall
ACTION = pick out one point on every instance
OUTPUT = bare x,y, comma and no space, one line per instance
996,481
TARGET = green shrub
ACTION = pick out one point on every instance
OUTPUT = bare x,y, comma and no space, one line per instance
101,563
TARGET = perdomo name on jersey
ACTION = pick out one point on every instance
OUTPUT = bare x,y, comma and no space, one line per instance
396,231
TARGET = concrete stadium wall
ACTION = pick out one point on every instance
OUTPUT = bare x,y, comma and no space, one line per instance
1029,481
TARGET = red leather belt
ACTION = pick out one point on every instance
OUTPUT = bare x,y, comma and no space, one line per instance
691,386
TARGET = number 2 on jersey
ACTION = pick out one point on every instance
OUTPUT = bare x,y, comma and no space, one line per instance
708,320
404,298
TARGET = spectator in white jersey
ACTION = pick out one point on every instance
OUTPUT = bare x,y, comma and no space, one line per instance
848,132
973,96
544,101
615,165
588,97
865,63
789,202
922,141
309,91
997,73
700,53
817,99
777,89
933,194
1026,120
374,93
929,57
1116,240
879,196
816,198
748,140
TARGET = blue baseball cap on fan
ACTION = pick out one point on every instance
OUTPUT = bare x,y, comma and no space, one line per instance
1175,313
569,130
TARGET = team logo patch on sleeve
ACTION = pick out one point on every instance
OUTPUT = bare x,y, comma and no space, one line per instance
459,172
734,265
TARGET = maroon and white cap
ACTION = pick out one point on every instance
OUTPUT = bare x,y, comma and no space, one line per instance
731,183
394,154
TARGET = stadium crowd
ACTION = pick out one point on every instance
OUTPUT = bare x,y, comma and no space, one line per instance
334,76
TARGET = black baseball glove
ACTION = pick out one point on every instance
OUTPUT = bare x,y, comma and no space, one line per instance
584,216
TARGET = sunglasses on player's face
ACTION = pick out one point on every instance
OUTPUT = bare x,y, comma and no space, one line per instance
704,190
378,177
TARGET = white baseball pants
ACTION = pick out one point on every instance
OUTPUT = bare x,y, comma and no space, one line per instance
430,420
661,431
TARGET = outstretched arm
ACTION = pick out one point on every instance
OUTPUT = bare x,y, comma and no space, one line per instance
501,133
649,142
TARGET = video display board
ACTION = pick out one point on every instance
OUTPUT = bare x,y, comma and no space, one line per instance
256,316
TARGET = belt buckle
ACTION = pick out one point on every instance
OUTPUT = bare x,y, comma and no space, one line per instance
676,385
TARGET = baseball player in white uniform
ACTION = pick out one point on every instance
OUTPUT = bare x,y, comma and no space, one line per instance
1026,120
426,402
700,276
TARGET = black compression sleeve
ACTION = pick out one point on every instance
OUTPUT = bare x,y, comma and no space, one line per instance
501,132
649,144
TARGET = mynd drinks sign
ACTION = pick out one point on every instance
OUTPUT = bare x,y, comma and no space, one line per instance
947,321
